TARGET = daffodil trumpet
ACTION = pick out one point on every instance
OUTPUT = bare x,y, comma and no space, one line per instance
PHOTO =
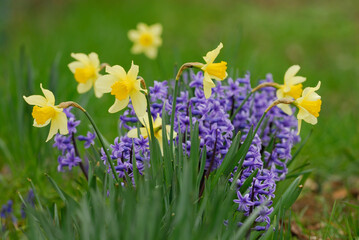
76,105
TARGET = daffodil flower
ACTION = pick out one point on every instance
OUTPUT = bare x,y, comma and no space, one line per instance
213,70
309,105
157,128
292,87
86,71
45,112
123,86
146,39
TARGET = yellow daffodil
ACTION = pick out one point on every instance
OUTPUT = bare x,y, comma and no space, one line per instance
45,111
146,39
309,105
86,70
212,70
123,86
157,128
292,87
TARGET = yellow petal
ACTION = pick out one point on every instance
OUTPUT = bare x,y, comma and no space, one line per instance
211,56
156,29
142,27
48,95
133,35
168,129
137,48
118,105
207,85
290,73
139,103
133,72
310,90
133,133
61,122
80,57
158,121
74,65
84,87
104,83
151,52
36,100
158,136
98,92
93,57
285,108
299,125
116,71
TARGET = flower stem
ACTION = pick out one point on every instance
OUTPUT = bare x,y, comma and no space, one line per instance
78,155
76,105
240,106
103,145
177,83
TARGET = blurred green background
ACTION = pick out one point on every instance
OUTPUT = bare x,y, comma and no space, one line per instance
268,36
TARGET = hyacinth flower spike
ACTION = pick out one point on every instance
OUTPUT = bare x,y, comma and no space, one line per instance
86,70
124,86
45,112
212,70
146,39
157,129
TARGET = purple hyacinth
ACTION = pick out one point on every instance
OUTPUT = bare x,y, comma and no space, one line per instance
122,152
6,215
64,143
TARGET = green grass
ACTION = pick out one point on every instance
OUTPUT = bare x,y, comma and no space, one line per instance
259,36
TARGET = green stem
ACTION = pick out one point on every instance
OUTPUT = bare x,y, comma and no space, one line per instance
240,106
103,145
259,123
173,113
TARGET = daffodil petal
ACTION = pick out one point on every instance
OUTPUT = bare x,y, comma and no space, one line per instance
104,83
53,131
297,79
133,133
156,29
74,65
98,92
61,122
211,56
299,125
302,113
207,85
133,35
133,72
116,71
94,59
142,27
36,100
160,140
311,90
80,57
139,103
285,108
118,105
151,52
158,121
48,95
84,87
291,72
137,48
168,129
311,119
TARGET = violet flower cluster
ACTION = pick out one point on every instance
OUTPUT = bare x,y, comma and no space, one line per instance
269,152
7,215
123,151
66,143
